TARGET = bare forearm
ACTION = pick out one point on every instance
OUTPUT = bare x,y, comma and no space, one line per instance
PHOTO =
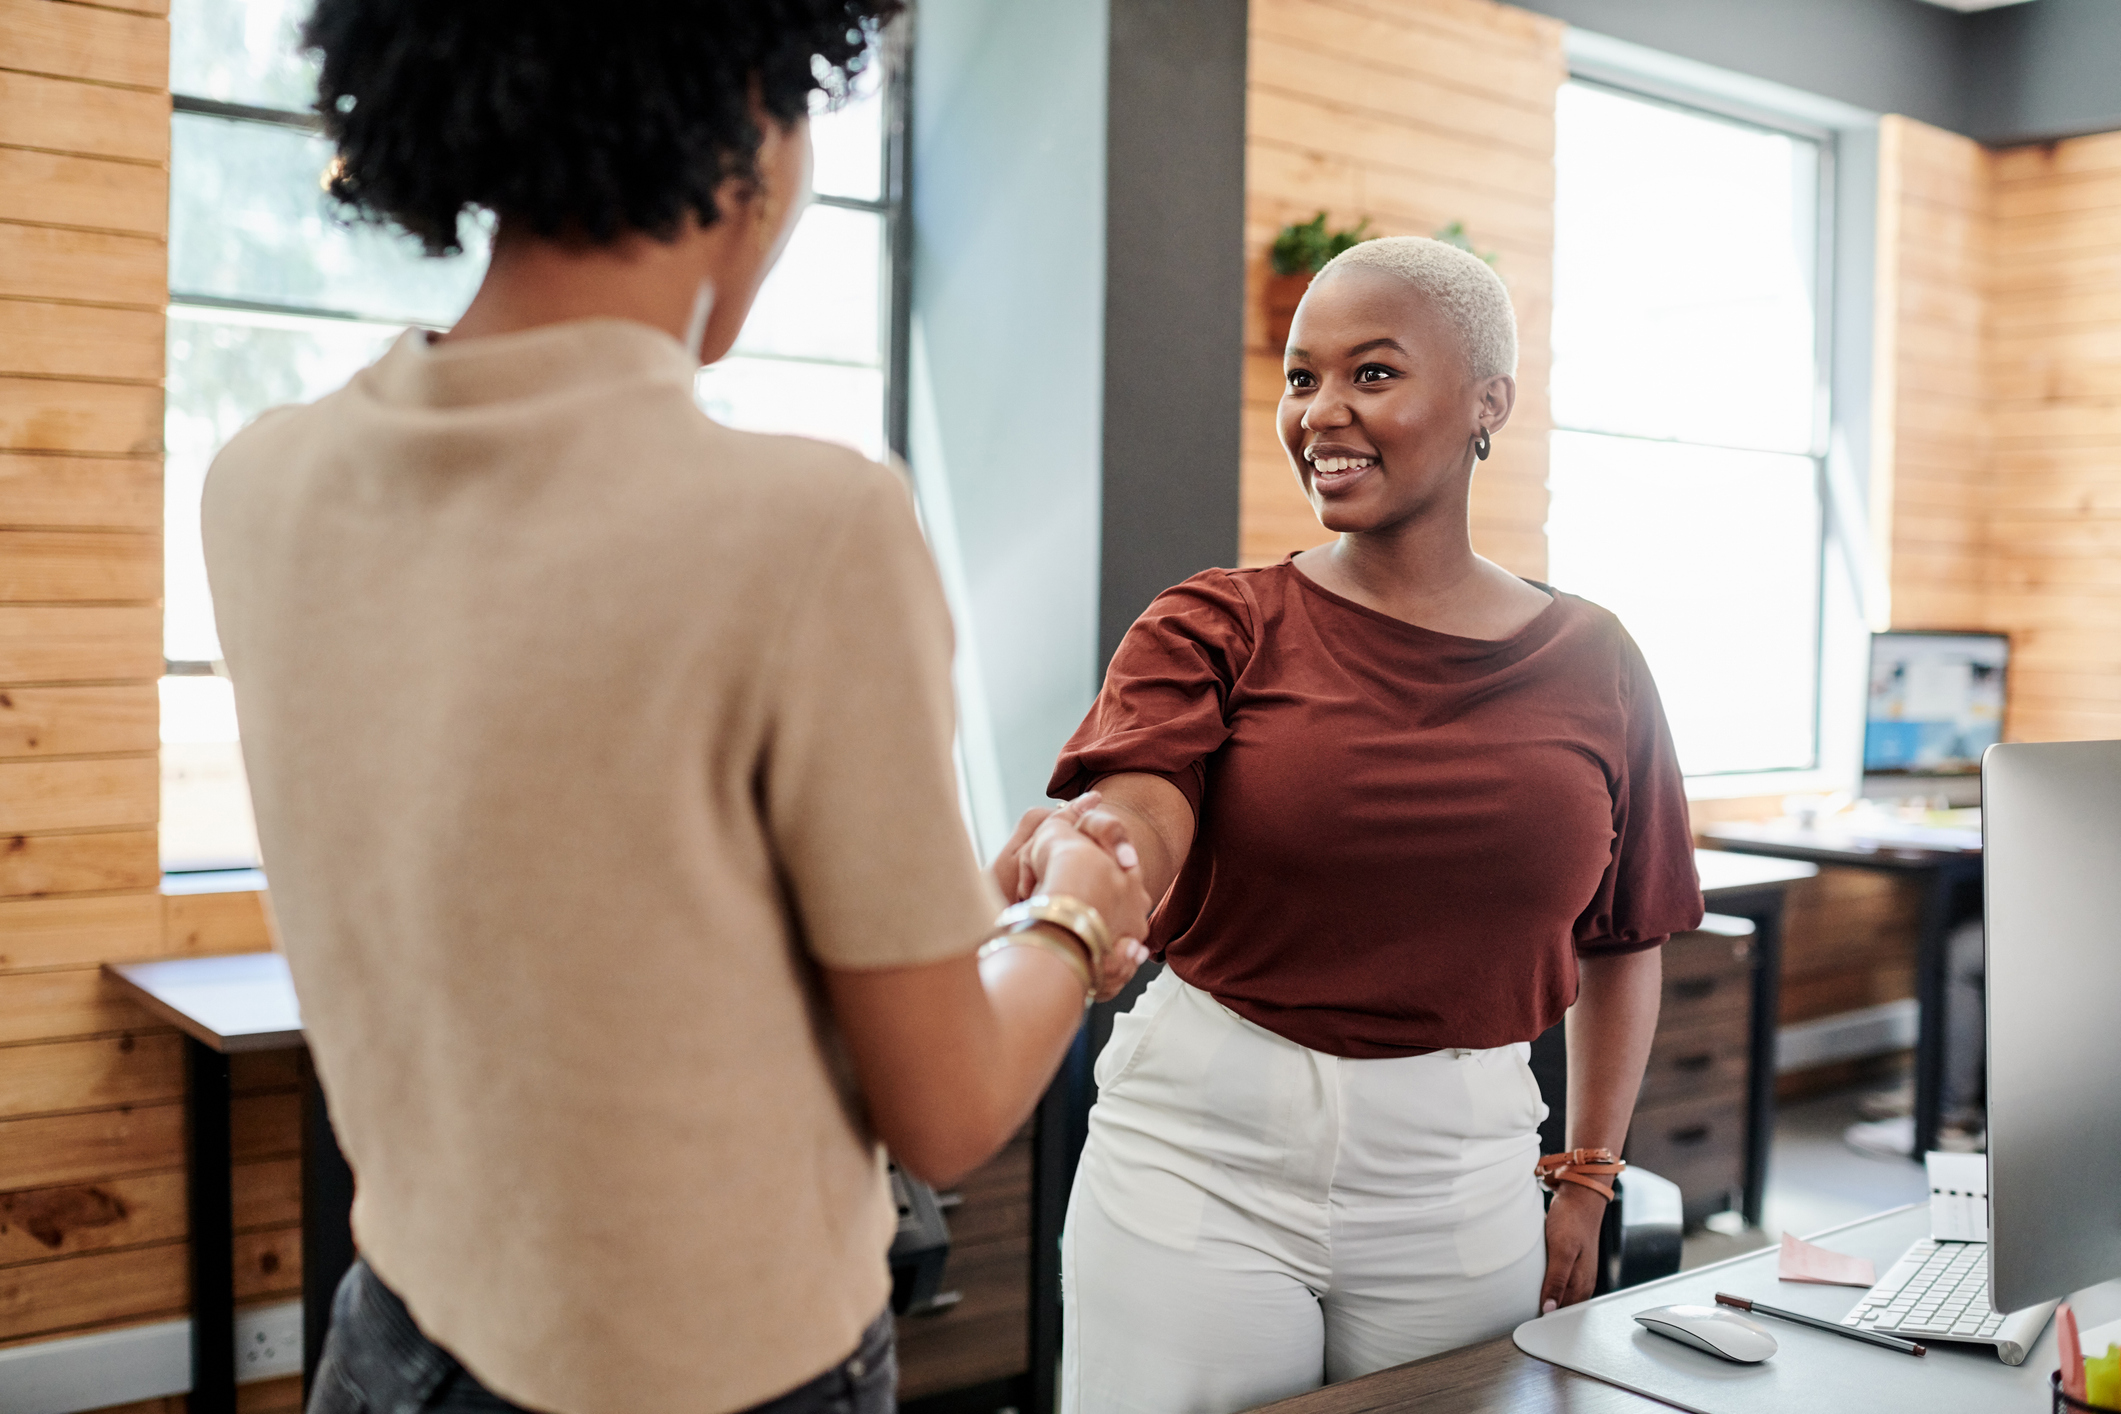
1610,1028
1157,819
953,1056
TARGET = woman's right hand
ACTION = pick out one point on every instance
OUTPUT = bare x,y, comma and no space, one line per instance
1062,859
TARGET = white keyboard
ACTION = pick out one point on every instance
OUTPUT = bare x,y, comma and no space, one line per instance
1939,1291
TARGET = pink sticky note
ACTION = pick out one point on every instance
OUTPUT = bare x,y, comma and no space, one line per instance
1801,1261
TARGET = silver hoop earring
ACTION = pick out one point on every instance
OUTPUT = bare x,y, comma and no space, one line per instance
1482,444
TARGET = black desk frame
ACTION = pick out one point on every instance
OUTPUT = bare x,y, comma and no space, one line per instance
1946,880
327,1233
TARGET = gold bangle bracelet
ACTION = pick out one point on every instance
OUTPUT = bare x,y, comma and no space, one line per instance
1029,937
1070,915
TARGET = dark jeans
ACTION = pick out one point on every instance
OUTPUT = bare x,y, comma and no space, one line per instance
377,1362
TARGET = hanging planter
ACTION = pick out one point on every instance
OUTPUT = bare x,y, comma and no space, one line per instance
1300,250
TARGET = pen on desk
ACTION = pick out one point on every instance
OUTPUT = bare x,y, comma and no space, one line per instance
1905,1347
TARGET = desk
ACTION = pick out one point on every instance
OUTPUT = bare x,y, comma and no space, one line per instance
1946,862
223,1005
1497,1378
1751,888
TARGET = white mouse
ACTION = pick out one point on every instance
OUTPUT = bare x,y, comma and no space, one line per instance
1712,1328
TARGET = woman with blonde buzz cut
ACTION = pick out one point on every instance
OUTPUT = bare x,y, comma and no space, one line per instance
1405,810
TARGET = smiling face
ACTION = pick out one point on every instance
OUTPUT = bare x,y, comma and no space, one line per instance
1379,410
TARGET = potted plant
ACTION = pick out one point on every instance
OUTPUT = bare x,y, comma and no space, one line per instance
1455,234
1300,250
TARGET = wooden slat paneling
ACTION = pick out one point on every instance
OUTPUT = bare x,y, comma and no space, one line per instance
269,1263
92,1210
85,42
34,866
53,1076
78,795
42,262
76,341
1934,400
58,115
268,1194
1484,52
217,923
79,644
79,721
62,415
79,566
86,1148
38,1224
79,932
71,1002
56,190
95,1289
2053,524
267,1126
281,1396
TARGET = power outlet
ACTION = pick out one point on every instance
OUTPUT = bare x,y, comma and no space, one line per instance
268,1342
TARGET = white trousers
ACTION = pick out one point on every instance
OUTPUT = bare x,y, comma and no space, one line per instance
1253,1218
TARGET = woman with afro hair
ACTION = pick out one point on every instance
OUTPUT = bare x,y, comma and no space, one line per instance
602,755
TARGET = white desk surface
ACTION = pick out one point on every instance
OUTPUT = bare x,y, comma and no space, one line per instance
1812,1369
1725,869
238,1002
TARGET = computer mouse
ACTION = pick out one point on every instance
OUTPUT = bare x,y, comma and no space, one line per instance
1711,1328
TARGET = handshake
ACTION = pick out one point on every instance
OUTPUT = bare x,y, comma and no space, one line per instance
1083,852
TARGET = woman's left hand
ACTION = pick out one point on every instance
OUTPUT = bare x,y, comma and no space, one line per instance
1573,1220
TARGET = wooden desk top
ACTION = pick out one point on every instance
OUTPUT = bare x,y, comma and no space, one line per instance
1493,1378
238,1002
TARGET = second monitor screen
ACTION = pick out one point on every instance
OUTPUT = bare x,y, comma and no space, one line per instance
1936,702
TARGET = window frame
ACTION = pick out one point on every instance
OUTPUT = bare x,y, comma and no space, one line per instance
894,277
1841,306
894,51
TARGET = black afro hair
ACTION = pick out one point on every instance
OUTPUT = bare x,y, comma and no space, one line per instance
575,119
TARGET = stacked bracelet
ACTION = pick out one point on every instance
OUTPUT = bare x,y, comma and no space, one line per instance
1589,1168
1046,942
1015,927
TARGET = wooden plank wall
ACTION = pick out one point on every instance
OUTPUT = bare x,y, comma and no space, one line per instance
92,1215
1415,114
2054,377
1931,480
1997,469
2005,398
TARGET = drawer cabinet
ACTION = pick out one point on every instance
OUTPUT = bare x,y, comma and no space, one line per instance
1690,1061
1690,1119
1698,1144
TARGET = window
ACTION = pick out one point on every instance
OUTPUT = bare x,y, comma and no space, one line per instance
274,300
1690,412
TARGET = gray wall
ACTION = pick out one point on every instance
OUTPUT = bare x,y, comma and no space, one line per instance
2054,70
1077,342
1174,298
2022,73
1889,56
1006,418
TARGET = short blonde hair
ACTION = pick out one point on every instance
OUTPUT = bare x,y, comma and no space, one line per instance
1458,282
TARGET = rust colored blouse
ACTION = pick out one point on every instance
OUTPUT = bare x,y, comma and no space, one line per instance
1404,838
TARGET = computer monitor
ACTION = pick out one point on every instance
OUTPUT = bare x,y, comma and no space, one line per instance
1936,703
2051,817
